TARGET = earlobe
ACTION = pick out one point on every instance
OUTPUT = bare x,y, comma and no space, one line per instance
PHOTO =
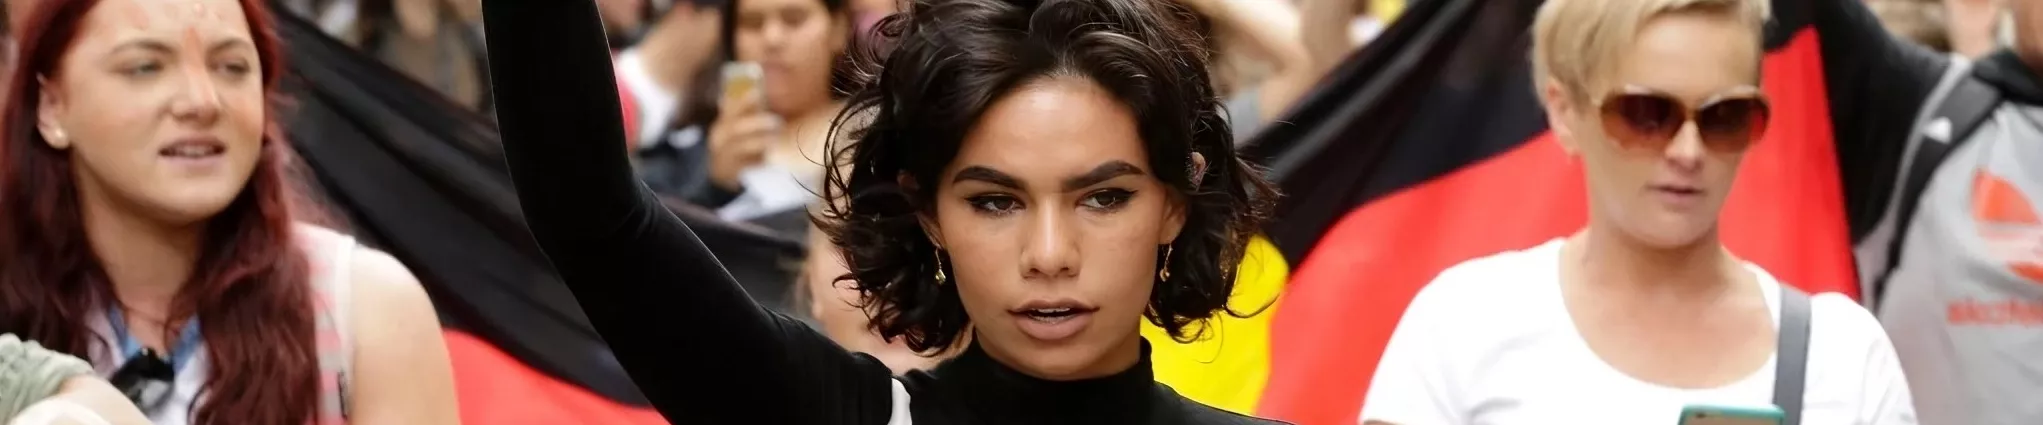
48,108
1559,107
55,137
925,216
1174,222
930,229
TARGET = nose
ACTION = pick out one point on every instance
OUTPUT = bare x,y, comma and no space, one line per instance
774,33
1685,152
1051,251
199,102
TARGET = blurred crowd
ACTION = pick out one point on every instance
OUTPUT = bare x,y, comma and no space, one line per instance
730,105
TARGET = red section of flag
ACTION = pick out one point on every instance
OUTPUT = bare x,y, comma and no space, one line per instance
495,388
1786,213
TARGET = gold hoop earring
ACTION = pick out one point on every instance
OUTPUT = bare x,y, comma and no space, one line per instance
1163,273
940,277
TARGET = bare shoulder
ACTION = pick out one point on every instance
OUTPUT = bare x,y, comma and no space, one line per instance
380,279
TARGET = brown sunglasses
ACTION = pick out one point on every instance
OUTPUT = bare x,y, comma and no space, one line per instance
1645,119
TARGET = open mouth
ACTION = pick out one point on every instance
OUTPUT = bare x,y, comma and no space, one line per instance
1050,313
1053,320
193,149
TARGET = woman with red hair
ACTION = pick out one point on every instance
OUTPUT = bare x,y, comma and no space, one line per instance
147,224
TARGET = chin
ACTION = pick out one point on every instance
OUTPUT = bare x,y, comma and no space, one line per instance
1057,364
1670,232
192,206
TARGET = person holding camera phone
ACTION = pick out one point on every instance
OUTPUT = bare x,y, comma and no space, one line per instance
766,144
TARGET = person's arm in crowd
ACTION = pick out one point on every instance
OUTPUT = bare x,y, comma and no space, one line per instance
1971,25
83,400
1323,30
401,370
698,347
1270,30
419,19
42,386
1877,84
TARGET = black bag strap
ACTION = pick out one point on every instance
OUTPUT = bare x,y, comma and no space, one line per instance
1791,358
1967,106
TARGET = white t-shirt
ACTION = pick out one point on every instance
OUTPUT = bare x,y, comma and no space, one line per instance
1490,341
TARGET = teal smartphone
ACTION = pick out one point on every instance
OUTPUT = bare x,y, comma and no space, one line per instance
1731,415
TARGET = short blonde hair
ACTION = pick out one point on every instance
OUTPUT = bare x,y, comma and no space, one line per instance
1575,40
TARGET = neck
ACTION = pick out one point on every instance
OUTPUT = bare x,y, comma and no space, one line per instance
664,54
815,117
1609,258
147,262
809,134
1117,361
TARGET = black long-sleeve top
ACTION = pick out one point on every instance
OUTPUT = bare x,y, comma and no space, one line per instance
699,348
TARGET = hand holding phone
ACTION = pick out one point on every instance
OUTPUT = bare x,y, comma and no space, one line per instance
743,129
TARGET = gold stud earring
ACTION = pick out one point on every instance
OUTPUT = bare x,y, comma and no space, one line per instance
1163,273
940,277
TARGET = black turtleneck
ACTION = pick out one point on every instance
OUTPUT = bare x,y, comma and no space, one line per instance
699,348
973,388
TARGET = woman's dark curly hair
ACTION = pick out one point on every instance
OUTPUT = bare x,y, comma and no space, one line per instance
943,62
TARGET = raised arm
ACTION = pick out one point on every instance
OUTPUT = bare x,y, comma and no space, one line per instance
698,347
1878,84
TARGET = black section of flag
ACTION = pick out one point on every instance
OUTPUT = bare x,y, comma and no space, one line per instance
414,174
1452,74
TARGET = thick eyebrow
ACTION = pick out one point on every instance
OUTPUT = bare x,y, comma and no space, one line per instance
988,175
1100,174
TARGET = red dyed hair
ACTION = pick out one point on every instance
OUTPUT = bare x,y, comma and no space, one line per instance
249,290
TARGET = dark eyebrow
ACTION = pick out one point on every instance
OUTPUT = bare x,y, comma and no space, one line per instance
987,175
1102,173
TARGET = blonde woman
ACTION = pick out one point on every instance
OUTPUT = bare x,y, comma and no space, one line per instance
1644,311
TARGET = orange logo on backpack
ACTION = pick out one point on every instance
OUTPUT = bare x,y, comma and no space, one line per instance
2008,222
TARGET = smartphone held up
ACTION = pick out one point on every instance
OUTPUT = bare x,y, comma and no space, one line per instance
744,80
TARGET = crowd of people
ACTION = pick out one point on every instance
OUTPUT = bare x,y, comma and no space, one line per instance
1008,205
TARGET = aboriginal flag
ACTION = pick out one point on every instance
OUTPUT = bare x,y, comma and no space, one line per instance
1429,148
419,176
